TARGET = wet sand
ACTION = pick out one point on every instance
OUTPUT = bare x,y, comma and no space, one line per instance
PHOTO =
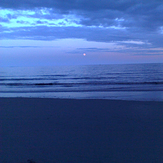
84,131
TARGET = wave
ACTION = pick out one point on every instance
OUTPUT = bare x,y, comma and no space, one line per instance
65,77
82,83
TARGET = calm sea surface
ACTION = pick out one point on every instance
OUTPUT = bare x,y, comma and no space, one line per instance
126,82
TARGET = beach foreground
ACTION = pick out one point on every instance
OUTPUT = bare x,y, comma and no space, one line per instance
63,130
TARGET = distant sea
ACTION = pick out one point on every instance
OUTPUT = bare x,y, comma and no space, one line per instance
125,82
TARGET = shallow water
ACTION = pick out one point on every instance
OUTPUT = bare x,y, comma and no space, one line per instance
127,82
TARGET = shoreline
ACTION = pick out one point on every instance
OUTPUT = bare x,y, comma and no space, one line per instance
80,130
82,98
112,95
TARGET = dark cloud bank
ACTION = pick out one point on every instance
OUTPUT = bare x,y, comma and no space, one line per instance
101,20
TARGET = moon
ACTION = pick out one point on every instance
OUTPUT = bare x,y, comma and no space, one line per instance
84,54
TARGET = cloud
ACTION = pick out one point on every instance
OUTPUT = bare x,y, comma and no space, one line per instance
91,49
135,13
52,33
136,23
22,46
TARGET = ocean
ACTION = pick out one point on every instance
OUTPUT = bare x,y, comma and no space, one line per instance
123,82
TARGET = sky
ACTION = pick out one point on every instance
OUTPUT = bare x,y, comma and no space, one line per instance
73,32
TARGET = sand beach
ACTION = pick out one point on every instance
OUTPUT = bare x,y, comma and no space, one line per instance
69,130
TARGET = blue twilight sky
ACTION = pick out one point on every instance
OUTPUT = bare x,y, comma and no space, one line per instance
59,32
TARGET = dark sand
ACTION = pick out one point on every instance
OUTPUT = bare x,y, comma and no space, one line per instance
80,131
